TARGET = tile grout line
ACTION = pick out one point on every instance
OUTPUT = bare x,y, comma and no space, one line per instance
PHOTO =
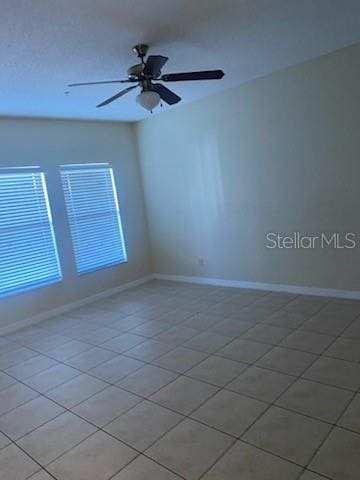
335,425
270,406
193,367
179,374
184,416
42,394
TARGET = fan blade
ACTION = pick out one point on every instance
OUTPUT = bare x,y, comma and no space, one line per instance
154,64
114,97
204,75
167,95
98,83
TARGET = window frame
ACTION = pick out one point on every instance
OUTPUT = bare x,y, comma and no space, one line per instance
63,169
37,170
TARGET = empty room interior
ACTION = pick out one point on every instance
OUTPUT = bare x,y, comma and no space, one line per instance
179,240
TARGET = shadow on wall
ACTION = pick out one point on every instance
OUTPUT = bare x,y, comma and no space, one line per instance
206,193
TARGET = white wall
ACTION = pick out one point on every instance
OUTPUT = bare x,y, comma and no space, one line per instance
50,143
281,153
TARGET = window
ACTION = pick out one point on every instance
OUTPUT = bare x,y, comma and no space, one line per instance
28,254
93,213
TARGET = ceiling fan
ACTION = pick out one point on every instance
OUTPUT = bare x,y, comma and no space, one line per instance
145,73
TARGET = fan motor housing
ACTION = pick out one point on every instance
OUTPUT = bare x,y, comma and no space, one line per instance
136,71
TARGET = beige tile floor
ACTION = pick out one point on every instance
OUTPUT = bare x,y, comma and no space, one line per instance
175,381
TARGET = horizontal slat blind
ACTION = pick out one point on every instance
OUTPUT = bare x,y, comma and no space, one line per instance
94,217
28,254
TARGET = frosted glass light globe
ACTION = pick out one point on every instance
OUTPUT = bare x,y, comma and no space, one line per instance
148,99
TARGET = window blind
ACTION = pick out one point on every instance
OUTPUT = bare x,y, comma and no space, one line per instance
28,253
93,212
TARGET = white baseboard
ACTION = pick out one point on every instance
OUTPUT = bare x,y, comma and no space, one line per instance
70,306
275,287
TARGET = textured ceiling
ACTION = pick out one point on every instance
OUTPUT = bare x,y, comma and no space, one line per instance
45,44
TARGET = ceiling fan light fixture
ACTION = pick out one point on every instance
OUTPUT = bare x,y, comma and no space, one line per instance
148,99
144,73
